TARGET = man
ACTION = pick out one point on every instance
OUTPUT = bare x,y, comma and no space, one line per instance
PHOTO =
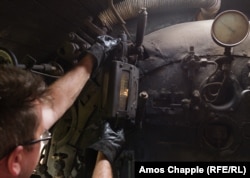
28,109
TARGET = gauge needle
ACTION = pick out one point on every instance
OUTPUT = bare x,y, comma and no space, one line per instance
229,28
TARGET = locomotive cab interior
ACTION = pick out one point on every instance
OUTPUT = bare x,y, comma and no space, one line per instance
178,82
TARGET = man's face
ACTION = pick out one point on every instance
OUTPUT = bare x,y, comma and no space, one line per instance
31,160
21,162
32,156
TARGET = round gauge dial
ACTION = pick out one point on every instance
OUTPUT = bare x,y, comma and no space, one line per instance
7,57
230,28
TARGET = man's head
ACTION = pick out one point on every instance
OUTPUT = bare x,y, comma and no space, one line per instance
20,120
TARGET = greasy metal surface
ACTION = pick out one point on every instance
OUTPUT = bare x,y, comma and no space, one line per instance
167,45
178,134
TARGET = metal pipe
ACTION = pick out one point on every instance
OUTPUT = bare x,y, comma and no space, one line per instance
128,9
141,26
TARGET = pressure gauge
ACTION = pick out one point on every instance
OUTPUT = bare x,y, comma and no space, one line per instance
7,57
230,28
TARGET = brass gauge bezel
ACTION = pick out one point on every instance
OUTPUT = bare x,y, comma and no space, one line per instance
230,28
7,57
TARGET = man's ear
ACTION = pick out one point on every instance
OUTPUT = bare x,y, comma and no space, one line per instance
15,161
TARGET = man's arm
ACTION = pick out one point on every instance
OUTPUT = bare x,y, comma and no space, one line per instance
65,90
103,167
107,148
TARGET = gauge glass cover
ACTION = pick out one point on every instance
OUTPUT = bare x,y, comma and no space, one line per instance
230,28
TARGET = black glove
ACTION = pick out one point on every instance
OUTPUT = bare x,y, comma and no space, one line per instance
103,44
110,143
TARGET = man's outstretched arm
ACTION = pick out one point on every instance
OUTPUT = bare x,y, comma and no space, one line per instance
65,90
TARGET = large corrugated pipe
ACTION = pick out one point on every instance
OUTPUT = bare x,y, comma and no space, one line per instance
128,9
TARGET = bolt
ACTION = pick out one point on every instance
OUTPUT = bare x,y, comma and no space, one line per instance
196,93
143,94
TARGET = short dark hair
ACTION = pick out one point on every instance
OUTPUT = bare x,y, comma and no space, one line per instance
18,118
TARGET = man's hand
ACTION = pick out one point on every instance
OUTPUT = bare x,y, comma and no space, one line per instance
103,44
109,146
110,143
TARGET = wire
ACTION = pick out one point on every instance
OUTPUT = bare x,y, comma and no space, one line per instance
46,75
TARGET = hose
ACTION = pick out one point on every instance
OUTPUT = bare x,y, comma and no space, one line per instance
128,9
